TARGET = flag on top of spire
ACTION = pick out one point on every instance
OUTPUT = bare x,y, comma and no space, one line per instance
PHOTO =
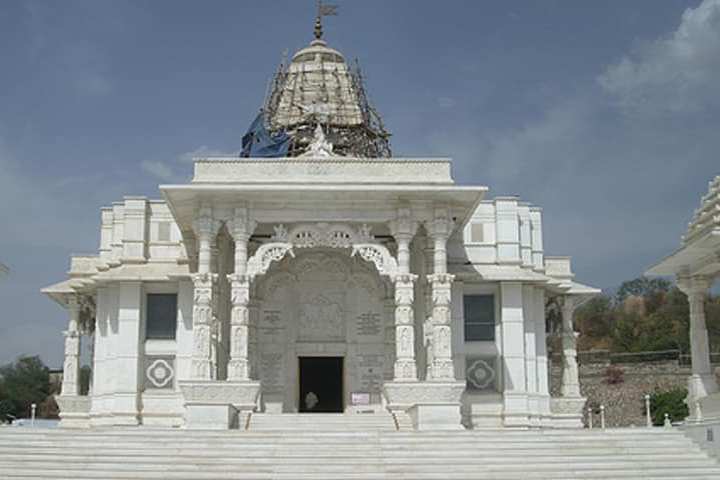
324,10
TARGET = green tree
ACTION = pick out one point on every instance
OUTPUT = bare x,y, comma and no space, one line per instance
595,320
642,287
22,383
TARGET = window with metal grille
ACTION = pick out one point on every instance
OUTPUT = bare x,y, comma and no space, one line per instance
161,316
479,318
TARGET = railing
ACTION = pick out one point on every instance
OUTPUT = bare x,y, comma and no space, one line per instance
697,415
605,356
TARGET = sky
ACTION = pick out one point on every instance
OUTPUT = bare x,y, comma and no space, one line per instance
606,114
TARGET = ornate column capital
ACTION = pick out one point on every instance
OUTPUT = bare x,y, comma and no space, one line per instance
441,225
241,226
206,279
441,291
404,226
441,278
205,225
694,285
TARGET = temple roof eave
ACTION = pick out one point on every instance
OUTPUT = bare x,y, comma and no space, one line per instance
701,256
87,283
516,273
278,203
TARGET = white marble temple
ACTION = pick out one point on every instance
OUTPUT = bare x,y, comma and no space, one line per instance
201,305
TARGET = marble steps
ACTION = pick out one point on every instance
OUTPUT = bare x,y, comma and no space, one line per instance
320,423
388,438
174,454
119,462
499,473
329,422
580,448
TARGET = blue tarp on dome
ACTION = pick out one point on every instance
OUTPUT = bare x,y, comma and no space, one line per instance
258,142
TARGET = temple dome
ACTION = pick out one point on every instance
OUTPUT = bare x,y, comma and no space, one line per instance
318,87
318,51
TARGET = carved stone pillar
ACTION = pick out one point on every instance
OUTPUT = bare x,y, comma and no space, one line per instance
405,366
241,228
71,364
204,281
202,363
389,347
439,230
254,347
702,381
570,383
239,365
403,229
442,364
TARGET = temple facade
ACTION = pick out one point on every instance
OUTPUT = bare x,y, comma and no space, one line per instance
318,273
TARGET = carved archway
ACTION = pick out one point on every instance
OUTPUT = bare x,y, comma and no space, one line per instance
359,242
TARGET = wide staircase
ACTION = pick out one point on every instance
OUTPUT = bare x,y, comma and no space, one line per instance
327,422
319,450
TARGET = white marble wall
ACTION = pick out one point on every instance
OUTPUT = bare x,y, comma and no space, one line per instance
350,301
121,394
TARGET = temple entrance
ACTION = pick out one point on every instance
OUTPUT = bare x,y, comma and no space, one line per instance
321,384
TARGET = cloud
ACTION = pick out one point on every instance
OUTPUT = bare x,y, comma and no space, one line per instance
44,219
204,151
161,170
674,75
616,175
76,62
446,102
166,171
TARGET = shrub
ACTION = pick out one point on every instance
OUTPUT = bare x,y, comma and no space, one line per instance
671,402
614,375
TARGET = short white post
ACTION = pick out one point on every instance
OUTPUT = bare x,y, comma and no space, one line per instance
648,417
667,423
590,417
698,411
33,409
602,417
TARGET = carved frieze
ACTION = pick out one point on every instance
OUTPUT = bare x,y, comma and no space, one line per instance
321,318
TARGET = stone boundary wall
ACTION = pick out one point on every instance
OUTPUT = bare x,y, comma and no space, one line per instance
641,374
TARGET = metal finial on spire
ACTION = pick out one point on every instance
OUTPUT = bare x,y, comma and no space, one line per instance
324,10
318,28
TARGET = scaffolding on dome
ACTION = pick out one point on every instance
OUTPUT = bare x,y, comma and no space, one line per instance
351,124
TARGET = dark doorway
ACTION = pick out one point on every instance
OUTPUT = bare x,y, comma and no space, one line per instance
321,384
